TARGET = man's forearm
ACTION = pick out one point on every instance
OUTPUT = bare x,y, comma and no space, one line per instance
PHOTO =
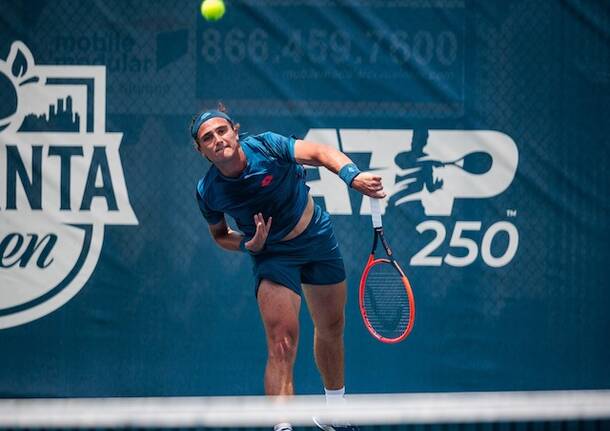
315,154
230,241
340,164
333,160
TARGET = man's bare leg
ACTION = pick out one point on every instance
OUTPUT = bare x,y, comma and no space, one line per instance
279,308
326,305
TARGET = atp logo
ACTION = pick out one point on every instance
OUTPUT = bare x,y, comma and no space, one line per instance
61,183
434,169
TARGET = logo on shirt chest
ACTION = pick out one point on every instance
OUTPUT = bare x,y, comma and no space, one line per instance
267,179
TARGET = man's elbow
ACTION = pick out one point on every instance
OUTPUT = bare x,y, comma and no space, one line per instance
218,234
318,155
310,153
217,238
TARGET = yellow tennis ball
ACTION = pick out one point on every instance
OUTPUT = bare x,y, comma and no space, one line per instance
212,10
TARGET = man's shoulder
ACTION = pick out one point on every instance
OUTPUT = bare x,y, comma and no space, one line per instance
259,139
271,144
257,145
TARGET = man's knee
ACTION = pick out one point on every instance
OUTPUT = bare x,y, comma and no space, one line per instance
331,328
282,343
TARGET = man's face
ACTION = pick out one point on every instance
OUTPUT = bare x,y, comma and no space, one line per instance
217,140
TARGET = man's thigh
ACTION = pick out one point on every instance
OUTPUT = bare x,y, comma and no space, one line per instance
326,303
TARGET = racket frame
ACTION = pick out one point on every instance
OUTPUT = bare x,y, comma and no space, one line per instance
372,261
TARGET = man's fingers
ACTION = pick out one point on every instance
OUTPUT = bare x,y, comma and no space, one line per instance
371,185
262,227
258,224
379,194
260,236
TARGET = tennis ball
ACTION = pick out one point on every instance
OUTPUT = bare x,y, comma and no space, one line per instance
212,10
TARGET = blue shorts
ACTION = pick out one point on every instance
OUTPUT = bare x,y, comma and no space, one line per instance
312,257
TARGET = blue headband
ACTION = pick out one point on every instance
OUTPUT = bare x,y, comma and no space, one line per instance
205,116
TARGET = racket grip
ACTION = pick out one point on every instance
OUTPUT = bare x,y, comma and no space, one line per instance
376,212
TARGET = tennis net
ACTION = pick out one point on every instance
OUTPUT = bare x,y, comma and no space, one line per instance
539,410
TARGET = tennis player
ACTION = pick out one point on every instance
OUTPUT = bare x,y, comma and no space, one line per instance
260,181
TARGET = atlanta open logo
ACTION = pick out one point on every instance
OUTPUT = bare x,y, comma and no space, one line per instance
61,183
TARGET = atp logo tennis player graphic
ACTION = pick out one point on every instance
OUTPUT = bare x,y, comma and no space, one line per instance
61,183
446,165
434,169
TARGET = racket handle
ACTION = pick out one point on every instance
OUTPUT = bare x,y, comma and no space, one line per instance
376,212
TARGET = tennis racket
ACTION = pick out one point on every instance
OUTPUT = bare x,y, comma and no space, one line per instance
386,299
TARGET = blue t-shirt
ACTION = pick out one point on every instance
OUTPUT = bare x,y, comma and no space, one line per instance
272,183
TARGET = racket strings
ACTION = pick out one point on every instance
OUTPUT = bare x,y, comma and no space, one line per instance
386,301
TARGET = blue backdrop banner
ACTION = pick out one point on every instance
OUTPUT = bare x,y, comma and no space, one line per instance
485,119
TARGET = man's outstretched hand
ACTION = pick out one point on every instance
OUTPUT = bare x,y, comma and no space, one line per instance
257,243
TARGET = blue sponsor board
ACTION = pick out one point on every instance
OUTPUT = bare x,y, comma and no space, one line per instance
366,56
486,121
